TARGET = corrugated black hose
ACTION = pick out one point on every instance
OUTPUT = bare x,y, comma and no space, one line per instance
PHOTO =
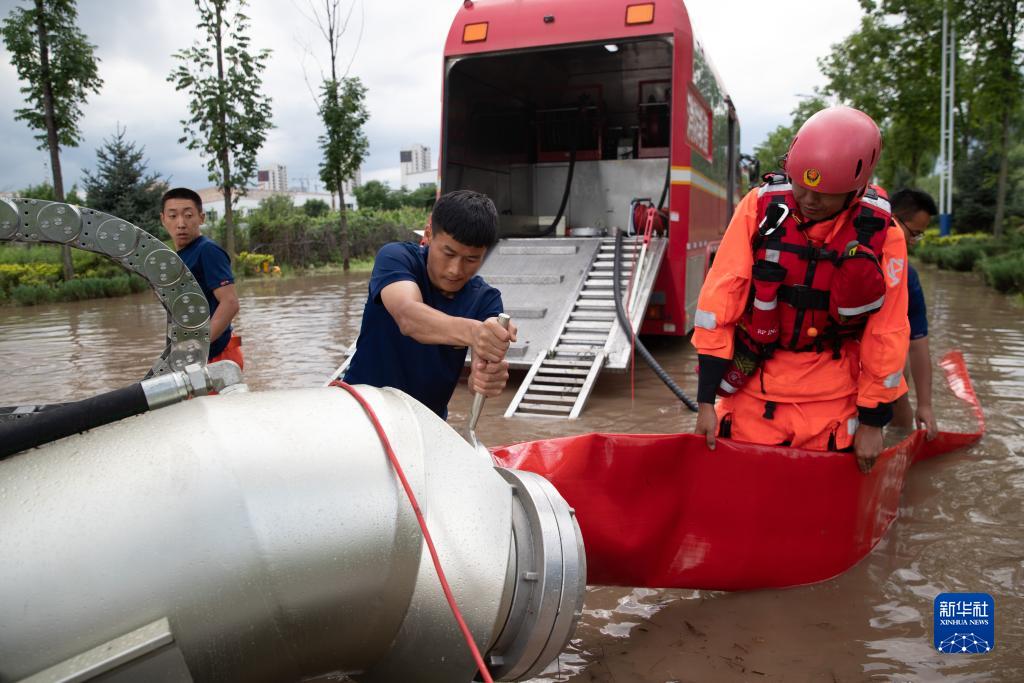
628,329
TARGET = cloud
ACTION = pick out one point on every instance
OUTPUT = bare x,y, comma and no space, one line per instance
765,61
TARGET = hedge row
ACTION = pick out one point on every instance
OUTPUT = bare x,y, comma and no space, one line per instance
1001,261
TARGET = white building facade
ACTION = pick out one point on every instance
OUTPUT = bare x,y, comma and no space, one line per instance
274,178
414,162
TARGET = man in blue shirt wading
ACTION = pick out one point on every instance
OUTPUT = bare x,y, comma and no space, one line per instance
912,210
181,213
427,306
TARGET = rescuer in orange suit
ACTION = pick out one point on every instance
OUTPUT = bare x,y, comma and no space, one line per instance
801,327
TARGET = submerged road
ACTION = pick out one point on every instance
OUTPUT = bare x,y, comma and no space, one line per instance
961,524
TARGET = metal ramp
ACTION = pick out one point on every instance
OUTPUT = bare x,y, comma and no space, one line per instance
590,338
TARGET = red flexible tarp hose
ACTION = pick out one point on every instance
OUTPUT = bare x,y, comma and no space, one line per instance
661,510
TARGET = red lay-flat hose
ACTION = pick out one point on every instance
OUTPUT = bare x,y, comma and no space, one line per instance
423,527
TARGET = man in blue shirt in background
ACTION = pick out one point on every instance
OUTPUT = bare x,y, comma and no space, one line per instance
427,306
912,210
181,213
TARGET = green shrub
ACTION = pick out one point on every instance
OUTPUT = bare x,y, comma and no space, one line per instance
1005,273
30,274
248,263
31,295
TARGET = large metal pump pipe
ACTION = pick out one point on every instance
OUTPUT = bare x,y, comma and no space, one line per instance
265,537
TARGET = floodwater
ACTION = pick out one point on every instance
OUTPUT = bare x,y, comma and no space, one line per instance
960,528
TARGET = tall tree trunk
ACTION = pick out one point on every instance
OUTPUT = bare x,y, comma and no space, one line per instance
343,228
51,124
1004,170
225,160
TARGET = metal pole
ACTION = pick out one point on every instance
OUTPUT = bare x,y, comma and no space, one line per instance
951,118
942,124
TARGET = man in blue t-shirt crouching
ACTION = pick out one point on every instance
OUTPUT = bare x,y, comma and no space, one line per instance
427,306
181,213
912,210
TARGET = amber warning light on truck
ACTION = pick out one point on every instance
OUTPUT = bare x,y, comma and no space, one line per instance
640,14
474,33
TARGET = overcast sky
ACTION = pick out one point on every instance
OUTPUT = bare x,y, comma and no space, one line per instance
767,62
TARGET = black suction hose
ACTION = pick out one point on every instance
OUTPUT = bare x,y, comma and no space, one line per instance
41,428
568,179
664,189
628,329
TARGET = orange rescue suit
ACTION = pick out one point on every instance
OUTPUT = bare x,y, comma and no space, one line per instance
862,374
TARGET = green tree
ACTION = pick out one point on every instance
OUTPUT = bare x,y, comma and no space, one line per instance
375,195
228,115
887,68
56,62
121,185
316,207
45,192
422,197
343,112
344,144
993,38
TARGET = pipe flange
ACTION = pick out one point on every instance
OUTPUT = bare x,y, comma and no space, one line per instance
550,579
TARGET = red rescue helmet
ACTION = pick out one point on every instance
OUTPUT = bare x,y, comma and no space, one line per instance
835,151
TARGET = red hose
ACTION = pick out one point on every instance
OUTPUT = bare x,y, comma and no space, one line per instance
423,527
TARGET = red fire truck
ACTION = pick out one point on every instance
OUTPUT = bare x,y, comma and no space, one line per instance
570,113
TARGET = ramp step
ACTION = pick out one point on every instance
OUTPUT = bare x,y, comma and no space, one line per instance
545,407
586,336
603,283
566,363
566,381
596,294
548,398
531,313
598,316
585,350
596,304
594,326
564,372
553,389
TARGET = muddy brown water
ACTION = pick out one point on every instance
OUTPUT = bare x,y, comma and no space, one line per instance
960,528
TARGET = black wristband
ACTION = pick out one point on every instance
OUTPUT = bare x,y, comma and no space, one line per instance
875,417
710,371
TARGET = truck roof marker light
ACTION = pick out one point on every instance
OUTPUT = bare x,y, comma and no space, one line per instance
640,14
474,33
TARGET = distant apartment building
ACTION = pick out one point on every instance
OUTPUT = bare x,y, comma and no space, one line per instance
417,167
272,179
213,200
